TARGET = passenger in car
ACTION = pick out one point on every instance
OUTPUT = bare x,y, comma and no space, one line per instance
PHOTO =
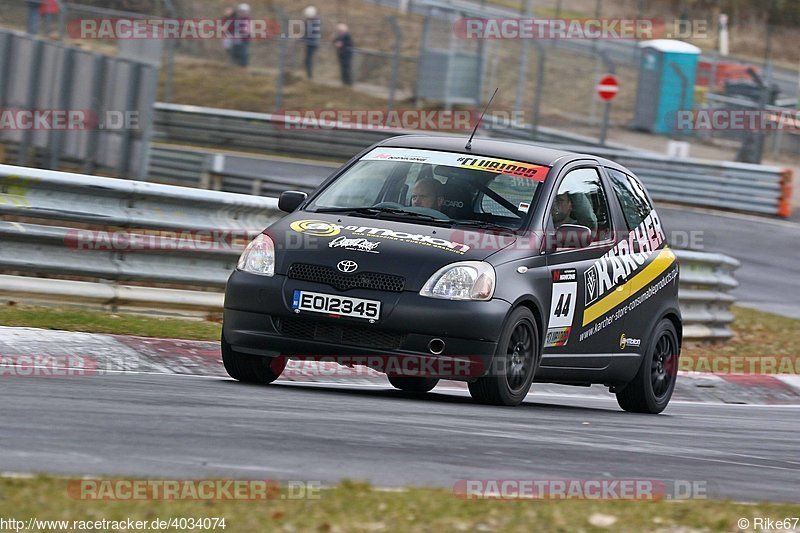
562,210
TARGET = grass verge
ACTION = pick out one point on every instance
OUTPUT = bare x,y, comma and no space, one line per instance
358,507
92,321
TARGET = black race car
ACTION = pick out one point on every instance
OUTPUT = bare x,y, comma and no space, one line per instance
497,264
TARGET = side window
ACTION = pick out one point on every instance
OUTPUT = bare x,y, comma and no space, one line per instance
518,191
580,200
632,198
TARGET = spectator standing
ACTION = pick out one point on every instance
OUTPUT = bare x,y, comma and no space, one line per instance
311,37
228,18
241,36
344,49
33,16
48,10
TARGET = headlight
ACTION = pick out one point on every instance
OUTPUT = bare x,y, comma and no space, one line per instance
468,280
259,257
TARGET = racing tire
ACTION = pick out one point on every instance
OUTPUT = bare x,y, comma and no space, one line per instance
413,384
652,387
514,363
251,368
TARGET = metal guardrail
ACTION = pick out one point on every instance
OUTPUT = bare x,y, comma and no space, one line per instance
79,238
196,168
738,186
705,283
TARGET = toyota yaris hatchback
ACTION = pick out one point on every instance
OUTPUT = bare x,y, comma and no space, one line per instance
499,265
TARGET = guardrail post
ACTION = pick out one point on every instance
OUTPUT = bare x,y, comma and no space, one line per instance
56,144
537,95
282,45
398,36
785,201
35,76
522,73
217,171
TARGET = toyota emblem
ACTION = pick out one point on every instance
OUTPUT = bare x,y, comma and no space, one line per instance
347,266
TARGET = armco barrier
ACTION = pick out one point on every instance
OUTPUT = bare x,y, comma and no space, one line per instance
50,216
737,186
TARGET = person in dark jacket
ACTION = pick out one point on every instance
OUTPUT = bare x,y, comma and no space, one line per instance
228,18
33,16
344,49
311,37
241,36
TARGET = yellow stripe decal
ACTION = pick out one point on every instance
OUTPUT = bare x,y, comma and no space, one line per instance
663,260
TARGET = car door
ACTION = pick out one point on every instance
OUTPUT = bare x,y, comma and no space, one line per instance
652,266
570,339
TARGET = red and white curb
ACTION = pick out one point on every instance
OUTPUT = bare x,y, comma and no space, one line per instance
29,352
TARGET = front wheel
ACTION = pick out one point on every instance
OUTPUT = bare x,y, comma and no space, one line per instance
251,368
514,363
413,384
651,389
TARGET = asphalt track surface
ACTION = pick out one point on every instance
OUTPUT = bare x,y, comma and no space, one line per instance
169,427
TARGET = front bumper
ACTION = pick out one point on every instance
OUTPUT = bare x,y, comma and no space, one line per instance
259,320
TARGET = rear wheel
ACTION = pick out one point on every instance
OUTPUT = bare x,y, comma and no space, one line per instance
413,384
514,363
651,389
251,368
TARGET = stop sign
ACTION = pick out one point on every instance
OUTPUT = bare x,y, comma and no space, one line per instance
608,87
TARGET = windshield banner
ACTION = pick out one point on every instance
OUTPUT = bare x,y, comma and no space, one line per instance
451,159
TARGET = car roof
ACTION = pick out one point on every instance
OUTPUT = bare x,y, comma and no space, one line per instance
519,151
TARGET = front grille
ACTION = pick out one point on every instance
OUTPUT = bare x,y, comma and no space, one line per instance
343,282
340,334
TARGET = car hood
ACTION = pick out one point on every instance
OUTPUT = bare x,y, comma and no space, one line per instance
414,251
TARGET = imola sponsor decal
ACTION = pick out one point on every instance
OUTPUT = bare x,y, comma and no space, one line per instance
621,262
321,228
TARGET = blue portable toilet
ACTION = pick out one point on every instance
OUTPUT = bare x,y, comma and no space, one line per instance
667,72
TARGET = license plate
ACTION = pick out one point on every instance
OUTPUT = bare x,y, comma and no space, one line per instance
336,305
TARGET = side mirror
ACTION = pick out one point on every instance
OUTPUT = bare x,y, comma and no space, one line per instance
571,236
291,200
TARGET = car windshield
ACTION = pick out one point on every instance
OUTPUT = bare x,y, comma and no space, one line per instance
430,186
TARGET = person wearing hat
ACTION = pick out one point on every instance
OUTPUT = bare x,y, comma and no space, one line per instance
241,36
313,29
